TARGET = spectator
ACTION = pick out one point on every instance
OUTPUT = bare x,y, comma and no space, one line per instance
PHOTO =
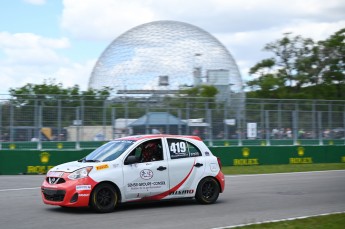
155,131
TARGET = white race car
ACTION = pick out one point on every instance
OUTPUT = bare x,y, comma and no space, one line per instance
137,168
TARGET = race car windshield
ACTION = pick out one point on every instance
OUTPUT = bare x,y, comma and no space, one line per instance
109,151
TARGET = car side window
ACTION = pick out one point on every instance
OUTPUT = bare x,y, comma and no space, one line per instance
181,149
148,151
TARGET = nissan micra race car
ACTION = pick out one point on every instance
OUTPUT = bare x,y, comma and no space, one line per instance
137,168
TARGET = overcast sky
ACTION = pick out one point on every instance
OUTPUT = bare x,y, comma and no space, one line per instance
62,39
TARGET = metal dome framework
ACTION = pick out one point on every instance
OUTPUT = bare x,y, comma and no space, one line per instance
138,59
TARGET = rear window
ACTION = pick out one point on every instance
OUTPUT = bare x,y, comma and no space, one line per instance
182,149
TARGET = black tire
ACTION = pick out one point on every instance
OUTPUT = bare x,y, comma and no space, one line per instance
207,191
104,198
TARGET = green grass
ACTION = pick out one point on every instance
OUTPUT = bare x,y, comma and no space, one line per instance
334,221
263,169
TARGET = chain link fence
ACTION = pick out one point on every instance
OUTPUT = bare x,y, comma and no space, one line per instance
35,121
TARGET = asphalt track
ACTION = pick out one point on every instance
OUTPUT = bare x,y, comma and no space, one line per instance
247,199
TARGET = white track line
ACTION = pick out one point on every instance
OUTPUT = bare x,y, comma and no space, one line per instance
17,189
239,175
279,220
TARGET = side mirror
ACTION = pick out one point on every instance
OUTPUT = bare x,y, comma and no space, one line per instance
131,160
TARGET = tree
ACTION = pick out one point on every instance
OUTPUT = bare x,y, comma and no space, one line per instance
299,65
49,92
333,56
51,97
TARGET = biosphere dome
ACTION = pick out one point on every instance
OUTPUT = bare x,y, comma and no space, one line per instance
178,51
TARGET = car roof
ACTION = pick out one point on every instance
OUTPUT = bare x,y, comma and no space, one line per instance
150,136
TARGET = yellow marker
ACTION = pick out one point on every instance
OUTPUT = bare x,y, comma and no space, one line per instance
59,145
245,152
100,167
44,157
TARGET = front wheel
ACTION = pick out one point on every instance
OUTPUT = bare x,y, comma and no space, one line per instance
104,198
207,191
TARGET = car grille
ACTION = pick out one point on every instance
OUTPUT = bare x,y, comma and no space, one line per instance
55,180
53,194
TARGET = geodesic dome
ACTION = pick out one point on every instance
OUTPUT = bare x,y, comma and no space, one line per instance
138,59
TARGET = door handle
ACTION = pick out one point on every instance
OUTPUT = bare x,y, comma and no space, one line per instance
198,165
161,168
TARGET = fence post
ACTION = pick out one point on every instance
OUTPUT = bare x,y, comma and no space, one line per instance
313,120
209,120
225,114
104,118
127,132
77,114
147,127
239,127
320,127
267,127
81,117
179,124
187,116
39,143
113,123
295,126
11,122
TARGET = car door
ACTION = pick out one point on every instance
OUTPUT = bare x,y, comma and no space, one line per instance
186,166
146,179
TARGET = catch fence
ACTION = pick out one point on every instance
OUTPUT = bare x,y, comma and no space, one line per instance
79,122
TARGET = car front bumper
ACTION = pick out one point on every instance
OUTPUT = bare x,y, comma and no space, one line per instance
67,193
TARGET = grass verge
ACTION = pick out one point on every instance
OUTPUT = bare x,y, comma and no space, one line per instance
334,221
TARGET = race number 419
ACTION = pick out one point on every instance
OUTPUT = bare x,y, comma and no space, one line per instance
178,147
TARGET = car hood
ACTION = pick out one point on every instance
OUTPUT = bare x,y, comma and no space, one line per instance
70,167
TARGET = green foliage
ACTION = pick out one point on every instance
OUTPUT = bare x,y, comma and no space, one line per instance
301,69
204,91
50,93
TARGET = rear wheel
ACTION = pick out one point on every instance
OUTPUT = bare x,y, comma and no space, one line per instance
104,198
207,191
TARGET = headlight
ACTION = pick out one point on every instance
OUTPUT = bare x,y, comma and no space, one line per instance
80,173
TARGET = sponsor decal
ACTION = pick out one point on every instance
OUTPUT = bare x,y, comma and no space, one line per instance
44,157
40,169
300,159
83,194
300,151
82,187
101,167
207,153
146,185
250,161
54,174
182,192
246,160
146,174
245,152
